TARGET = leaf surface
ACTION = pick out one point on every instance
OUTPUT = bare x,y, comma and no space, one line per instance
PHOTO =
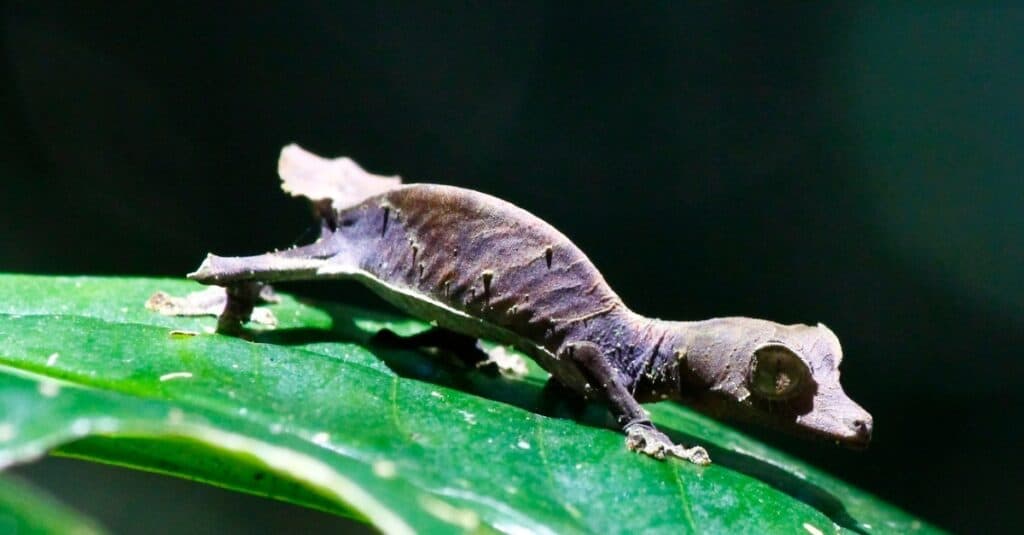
313,413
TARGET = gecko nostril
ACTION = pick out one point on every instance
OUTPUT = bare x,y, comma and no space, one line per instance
863,427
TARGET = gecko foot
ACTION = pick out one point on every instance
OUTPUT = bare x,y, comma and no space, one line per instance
644,438
234,305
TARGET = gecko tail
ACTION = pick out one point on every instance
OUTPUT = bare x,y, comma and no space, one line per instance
339,181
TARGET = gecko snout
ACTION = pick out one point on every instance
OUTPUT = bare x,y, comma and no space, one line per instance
862,428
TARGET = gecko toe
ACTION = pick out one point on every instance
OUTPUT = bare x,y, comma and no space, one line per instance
648,441
696,455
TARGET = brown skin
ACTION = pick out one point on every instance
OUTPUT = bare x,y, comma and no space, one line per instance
513,277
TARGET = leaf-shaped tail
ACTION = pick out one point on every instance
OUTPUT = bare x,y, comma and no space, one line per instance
341,181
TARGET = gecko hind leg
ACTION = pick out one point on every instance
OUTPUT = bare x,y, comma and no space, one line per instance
641,435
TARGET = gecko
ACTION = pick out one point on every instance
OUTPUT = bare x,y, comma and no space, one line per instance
479,266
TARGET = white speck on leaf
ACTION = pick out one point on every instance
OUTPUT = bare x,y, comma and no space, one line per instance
468,416
243,411
175,375
276,428
812,530
49,389
7,431
436,394
385,469
81,427
52,359
105,425
321,438
175,416
522,444
464,518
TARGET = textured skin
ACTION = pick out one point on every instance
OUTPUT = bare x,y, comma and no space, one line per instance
479,255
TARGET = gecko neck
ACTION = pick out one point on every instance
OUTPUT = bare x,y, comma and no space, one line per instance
681,360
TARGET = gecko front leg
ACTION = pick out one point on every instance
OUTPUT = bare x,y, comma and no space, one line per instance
245,277
641,435
241,299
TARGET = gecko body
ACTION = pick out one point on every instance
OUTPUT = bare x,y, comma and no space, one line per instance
485,268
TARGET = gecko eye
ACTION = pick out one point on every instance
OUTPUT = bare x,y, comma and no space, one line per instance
776,372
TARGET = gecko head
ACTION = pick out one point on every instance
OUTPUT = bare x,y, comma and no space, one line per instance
782,376
793,380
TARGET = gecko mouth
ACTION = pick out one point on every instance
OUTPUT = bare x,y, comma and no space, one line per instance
852,427
862,429
826,415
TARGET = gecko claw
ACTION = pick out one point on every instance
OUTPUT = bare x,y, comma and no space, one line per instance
650,441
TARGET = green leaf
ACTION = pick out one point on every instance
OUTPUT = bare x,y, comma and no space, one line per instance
311,413
25,510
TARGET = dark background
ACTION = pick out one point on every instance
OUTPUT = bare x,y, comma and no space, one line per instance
860,166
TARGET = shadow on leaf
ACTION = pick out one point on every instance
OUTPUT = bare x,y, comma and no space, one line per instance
447,368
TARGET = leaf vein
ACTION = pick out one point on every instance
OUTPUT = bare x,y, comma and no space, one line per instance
683,498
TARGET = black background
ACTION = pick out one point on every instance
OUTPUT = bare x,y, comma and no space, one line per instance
860,166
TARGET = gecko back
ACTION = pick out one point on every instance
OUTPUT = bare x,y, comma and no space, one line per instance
476,254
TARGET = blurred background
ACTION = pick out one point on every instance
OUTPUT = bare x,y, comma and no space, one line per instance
858,165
